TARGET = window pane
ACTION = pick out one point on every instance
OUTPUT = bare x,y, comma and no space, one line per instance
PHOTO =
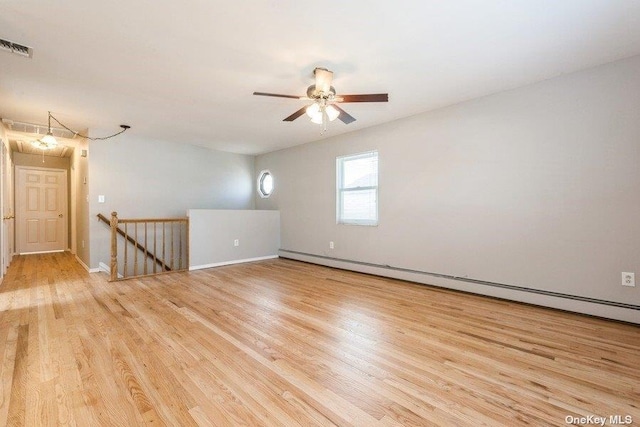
360,205
267,184
361,172
357,189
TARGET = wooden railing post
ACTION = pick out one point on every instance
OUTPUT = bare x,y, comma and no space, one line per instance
114,246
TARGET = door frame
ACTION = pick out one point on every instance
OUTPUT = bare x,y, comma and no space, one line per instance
6,207
65,233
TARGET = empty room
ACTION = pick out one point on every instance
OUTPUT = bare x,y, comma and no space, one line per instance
361,213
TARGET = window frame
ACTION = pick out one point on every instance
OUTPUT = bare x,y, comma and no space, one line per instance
340,161
261,176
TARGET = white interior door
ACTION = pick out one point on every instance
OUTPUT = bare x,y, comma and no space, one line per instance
41,209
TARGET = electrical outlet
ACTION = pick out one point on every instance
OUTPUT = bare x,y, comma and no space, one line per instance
628,279
236,242
330,245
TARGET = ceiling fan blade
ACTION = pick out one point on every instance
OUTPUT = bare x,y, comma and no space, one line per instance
372,97
324,78
296,114
345,117
277,95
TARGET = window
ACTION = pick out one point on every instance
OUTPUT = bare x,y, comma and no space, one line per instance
357,189
265,184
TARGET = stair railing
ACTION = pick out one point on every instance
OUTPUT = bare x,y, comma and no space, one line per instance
147,246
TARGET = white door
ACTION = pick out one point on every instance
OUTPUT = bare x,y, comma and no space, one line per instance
41,210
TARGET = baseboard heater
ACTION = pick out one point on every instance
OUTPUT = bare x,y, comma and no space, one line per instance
468,280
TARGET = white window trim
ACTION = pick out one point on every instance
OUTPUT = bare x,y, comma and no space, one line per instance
339,191
259,183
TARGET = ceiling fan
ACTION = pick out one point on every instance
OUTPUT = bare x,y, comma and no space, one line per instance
324,107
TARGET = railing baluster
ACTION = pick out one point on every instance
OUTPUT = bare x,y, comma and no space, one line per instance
155,250
180,247
125,250
145,248
172,258
164,245
135,256
114,246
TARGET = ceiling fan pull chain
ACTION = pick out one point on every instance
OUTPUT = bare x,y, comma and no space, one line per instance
324,119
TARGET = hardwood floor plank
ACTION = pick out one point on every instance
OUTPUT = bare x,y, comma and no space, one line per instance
17,400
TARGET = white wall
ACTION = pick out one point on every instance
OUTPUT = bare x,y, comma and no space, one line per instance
537,187
151,179
80,167
213,232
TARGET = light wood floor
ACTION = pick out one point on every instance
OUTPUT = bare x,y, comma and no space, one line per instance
282,343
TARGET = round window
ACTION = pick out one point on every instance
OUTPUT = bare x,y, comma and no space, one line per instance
265,184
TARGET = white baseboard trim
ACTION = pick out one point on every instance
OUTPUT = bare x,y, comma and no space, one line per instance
576,304
236,261
41,252
104,268
85,266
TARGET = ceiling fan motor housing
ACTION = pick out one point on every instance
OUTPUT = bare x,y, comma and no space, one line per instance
313,94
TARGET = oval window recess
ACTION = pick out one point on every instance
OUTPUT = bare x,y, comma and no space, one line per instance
265,183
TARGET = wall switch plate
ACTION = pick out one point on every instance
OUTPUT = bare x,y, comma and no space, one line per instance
628,279
101,198
236,242
331,245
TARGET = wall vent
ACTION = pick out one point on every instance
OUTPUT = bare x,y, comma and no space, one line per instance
37,129
16,48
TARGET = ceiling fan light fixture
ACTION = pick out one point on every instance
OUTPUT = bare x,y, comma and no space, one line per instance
313,110
317,119
332,112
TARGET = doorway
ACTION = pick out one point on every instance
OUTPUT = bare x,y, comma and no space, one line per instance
6,199
41,210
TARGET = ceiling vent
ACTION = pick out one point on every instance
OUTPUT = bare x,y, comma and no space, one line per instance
37,129
16,48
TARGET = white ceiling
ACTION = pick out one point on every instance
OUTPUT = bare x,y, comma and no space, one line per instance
186,71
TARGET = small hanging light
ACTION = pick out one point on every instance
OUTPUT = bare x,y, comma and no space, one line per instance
48,141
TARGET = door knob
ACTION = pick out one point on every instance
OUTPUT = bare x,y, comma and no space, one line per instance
59,215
